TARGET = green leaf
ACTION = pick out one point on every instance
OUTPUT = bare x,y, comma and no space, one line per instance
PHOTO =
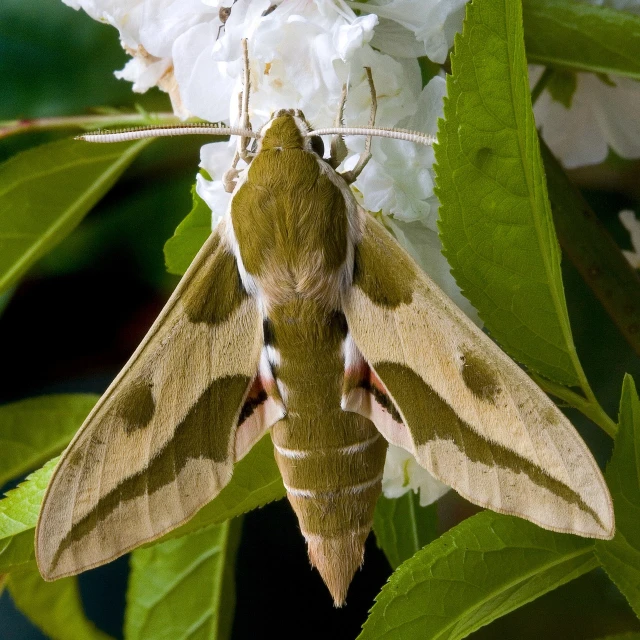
193,575
256,481
18,516
181,248
45,193
632,635
33,430
403,527
480,570
54,607
496,225
562,85
620,557
582,37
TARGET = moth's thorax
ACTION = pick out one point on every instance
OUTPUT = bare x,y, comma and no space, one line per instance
294,219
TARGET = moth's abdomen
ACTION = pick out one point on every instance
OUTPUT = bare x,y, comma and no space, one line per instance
333,491
331,460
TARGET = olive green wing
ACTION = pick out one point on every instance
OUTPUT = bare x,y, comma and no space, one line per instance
162,440
436,385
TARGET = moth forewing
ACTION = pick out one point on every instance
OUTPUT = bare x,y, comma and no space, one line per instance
464,409
161,441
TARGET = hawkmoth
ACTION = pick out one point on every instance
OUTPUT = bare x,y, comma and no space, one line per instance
301,315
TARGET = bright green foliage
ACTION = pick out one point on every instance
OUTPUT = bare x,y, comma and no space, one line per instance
45,193
181,248
33,430
496,225
478,571
256,481
559,33
18,515
184,589
54,607
621,556
403,527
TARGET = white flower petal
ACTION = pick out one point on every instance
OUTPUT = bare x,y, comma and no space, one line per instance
392,38
126,16
143,73
194,60
215,159
163,21
349,37
433,22
600,117
403,474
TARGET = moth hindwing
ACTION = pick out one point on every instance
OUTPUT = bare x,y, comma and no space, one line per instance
302,315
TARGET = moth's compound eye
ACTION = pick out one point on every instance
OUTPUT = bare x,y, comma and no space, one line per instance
317,145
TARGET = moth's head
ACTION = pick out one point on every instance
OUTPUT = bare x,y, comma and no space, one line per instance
288,129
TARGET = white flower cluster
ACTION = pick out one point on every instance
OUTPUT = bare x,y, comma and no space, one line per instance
301,54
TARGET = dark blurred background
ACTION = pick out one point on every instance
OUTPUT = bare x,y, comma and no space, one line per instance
82,310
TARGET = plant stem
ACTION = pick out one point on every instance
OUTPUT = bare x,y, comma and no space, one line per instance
13,127
589,406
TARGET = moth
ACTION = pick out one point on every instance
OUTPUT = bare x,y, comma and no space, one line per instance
303,317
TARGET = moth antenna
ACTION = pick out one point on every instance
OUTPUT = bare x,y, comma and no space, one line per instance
230,175
244,114
378,132
338,147
374,109
140,133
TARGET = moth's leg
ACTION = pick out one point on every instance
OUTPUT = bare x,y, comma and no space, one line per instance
338,147
223,15
231,175
365,156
